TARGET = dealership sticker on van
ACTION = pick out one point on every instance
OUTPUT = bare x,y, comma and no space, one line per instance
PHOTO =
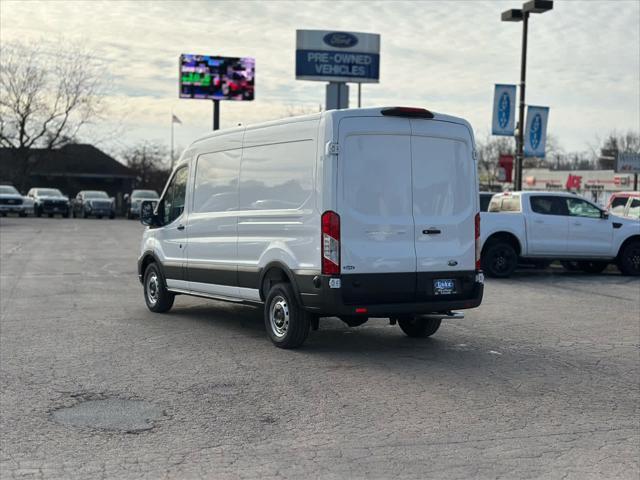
444,287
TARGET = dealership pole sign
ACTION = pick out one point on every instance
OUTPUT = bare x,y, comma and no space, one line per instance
332,56
504,110
535,133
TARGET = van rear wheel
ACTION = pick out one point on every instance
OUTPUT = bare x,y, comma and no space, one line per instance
287,323
419,327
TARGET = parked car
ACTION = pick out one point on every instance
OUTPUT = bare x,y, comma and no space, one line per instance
352,213
485,198
136,198
93,202
556,226
11,201
28,205
49,201
625,204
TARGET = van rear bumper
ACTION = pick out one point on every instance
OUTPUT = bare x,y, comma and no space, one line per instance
319,298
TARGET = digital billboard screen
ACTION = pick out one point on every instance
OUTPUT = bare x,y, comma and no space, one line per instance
217,78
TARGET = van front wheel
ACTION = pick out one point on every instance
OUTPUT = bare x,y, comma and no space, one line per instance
156,295
286,322
419,327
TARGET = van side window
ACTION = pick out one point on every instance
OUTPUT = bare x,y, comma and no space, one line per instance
277,176
172,204
216,182
548,205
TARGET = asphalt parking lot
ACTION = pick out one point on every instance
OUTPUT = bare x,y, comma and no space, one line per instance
541,381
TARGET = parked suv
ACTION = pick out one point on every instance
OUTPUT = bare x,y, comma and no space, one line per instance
49,201
135,200
11,201
352,213
93,202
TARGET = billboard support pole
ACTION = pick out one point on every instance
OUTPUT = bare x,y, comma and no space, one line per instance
359,94
216,114
635,182
520,138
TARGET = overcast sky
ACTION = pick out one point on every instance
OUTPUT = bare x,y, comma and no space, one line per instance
583,59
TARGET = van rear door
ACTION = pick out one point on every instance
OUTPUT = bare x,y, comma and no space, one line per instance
445,202
375,207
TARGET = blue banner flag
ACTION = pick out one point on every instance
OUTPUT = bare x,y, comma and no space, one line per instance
535,133
504,110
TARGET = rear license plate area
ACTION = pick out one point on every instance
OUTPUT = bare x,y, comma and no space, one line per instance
444,286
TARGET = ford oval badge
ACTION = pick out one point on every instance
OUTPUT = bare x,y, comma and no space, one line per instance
340,39
535,135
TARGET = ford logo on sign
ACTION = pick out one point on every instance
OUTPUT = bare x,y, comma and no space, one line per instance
535,135
504,110
340,39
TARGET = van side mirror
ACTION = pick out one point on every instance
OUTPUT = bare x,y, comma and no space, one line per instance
147,216
604,215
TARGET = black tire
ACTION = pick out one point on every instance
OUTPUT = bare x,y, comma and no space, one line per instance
499,260
74,214
112,216
38,211
22,214
629,258
419,327
50,215
570,265
65,215
98,216
593,266
156,295
3,214
85,215
286,322
129,215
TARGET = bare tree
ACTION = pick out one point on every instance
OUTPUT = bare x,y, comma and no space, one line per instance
615,143
151,163
46,98
489,151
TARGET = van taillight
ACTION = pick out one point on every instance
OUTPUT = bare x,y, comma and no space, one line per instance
330,243
477,241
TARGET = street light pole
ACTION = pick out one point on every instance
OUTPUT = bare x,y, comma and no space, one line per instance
517,15
523,75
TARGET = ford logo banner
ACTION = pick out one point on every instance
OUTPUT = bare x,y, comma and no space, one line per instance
504,110
503,121
535,133
340,39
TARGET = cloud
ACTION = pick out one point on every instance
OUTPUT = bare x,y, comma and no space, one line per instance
583,58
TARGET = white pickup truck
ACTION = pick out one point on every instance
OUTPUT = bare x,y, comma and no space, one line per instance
539,226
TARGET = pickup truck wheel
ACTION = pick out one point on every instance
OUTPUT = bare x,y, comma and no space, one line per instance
499,260
593,266
38,210
629,260
286,322
156,295
418,327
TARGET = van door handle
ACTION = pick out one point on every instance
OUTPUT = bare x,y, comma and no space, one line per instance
180,227
431,231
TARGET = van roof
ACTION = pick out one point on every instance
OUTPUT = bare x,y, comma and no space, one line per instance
337,114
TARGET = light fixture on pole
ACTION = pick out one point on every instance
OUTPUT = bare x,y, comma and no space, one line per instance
522,15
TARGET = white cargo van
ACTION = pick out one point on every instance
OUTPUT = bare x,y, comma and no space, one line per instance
351,213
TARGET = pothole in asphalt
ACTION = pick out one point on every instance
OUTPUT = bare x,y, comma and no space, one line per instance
113,414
